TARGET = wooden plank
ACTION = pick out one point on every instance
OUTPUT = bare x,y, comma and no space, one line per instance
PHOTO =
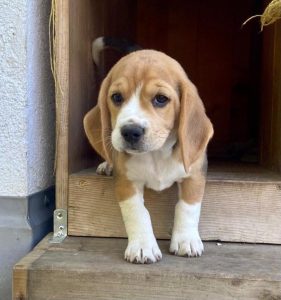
220,58
21,270
93,268
84,28
276,130
240,206
119,20
271,98
89,20
266,97
62,99
20,280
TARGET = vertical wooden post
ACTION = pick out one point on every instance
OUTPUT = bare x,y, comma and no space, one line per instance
22,268
271,97
61,48
20,283
276,121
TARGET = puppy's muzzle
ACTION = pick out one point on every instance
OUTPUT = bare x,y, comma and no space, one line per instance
132,134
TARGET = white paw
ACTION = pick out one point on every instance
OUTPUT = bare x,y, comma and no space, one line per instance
143,251
187,243
104,169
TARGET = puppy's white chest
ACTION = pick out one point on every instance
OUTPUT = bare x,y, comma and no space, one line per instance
155,170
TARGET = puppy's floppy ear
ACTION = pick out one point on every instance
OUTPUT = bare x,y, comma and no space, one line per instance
195,128
97,124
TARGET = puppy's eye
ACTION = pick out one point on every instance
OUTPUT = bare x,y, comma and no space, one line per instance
160,100
117,99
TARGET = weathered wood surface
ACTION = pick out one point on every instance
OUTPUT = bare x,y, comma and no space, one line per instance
61,48
271,97
79,22
85,26
240,205
21,270
93,268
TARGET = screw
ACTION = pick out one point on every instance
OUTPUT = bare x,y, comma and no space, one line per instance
59,215
61,227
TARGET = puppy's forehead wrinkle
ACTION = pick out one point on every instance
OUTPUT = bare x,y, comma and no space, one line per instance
138,66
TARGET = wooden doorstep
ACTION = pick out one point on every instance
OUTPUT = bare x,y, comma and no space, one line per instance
241,204
93,268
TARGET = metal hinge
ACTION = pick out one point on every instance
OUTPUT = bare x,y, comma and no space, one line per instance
60,226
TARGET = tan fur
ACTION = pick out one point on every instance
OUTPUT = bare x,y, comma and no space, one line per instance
171,149
157,73
124,188
191,189
97,124
195,129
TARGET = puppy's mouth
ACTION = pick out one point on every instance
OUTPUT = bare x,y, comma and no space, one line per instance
133,149
134,139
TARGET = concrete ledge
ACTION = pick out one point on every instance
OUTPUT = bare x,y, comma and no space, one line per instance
24,221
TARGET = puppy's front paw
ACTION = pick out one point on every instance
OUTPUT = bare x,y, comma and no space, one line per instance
143,251
186,243
104,169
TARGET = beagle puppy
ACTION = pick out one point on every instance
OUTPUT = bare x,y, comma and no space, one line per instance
150,127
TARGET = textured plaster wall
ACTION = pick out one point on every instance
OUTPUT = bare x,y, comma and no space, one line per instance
27,110
41,99
13,98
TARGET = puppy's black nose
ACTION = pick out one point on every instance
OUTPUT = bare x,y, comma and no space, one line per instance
132,133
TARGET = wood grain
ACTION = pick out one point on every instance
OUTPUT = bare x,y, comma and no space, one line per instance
93,268
89,20
241,206
276,118
62,100
271,98
84,28
244,206
219,57
21,270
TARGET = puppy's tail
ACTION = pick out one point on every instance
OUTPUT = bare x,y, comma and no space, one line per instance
124,46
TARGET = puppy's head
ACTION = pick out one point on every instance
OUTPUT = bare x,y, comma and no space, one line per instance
145,101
